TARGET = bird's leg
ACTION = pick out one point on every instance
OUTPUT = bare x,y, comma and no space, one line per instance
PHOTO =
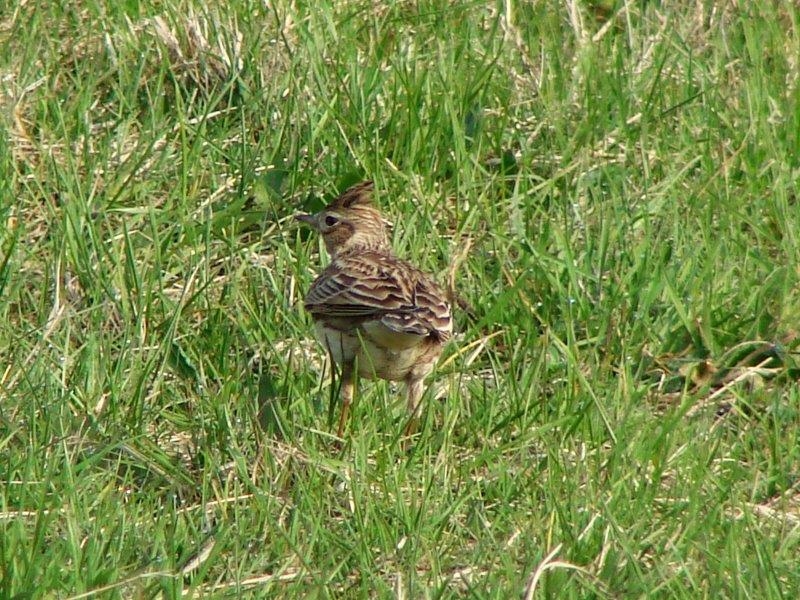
347,390
414,390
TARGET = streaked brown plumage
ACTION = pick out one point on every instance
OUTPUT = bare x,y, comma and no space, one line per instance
373,312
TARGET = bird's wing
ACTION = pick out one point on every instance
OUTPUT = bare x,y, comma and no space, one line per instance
380,287
362,285
430,314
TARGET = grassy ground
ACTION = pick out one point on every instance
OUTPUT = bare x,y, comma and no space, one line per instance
612,186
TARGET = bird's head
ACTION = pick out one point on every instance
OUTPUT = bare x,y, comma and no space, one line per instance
350,223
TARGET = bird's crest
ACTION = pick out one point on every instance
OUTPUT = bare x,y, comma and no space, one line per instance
356,195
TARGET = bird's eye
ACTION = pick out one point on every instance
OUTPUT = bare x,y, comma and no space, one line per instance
330,221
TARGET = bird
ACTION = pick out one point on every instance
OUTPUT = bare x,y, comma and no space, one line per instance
377,315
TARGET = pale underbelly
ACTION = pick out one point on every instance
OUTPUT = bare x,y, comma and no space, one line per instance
375,359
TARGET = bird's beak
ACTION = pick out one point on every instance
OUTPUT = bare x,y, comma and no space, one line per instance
310,220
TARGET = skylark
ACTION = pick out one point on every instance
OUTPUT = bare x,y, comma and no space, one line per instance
376,314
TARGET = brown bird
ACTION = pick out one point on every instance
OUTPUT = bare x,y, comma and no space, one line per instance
376,314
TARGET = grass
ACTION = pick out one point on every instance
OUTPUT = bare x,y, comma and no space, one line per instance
612,187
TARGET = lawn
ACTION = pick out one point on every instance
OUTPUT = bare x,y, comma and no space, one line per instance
609,189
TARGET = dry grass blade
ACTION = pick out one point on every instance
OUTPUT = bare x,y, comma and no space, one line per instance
205,48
